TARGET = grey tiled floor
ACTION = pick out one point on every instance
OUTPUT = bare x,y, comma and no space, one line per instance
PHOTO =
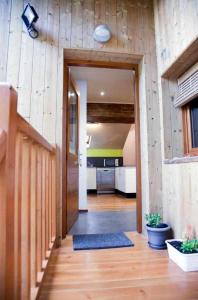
104,222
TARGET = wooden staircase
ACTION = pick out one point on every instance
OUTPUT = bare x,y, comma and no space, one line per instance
27,202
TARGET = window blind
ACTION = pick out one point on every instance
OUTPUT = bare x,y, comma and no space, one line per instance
187,87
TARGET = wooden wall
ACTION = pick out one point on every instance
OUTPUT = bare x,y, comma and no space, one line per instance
176,26
180,196
35,67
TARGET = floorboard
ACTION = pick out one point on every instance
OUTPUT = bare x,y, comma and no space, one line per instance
112,202
116,274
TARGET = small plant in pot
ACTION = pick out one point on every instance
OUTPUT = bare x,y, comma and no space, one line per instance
184,252
158,232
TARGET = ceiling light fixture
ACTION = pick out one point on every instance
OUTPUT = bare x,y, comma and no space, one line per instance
29,16
93,125
102,33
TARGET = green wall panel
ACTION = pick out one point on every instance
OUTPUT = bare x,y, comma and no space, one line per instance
104,152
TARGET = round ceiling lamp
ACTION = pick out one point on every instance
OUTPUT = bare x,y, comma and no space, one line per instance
102,34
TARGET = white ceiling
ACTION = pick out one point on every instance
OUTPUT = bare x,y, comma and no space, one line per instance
108,136
117,84
118,87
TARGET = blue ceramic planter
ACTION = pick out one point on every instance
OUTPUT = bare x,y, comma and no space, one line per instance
158,235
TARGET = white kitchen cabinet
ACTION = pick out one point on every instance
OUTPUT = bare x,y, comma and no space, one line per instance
125,179
91,178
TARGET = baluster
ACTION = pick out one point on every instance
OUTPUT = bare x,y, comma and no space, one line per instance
54,208
18,199
39,211
43,203
46,202
33,201
25,220
50,201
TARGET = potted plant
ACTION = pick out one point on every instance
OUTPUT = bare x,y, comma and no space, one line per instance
158,232
184,252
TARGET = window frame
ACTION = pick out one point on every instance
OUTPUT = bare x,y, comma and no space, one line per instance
188,149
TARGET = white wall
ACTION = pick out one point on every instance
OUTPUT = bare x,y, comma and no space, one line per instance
82,89
129,148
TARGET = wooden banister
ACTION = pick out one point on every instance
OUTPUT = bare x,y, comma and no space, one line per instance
2,144
28,130
8,111
27,202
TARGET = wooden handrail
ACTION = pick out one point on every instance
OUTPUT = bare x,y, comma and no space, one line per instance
28,130
27,202
2,144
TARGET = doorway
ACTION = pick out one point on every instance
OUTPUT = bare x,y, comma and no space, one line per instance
113,65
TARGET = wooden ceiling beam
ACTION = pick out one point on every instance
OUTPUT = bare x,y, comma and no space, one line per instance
110,113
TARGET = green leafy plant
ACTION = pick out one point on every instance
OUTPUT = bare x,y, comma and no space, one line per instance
189,246
153,220
190,243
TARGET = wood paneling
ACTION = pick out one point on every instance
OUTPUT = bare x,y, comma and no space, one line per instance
176,26
184,62
180,196
5,10
122,60
125,273
35,67
110,113
172,120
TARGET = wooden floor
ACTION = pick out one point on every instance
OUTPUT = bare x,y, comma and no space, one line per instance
112,202
116,274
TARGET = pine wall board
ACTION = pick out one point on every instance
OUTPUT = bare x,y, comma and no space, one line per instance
176,29
35,67
176,24
5,10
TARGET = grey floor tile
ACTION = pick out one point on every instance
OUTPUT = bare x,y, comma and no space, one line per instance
104,222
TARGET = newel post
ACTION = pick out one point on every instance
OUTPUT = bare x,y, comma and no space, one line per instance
8,123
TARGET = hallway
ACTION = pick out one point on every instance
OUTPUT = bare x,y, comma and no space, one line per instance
98,96
116,274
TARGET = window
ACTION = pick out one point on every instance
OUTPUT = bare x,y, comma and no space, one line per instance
190,122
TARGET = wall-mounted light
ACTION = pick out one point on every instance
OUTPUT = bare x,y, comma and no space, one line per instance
102,93
102,34
29,17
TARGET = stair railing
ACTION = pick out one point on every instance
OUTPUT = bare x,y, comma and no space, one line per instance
27,202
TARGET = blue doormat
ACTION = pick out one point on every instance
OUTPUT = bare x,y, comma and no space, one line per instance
101,241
